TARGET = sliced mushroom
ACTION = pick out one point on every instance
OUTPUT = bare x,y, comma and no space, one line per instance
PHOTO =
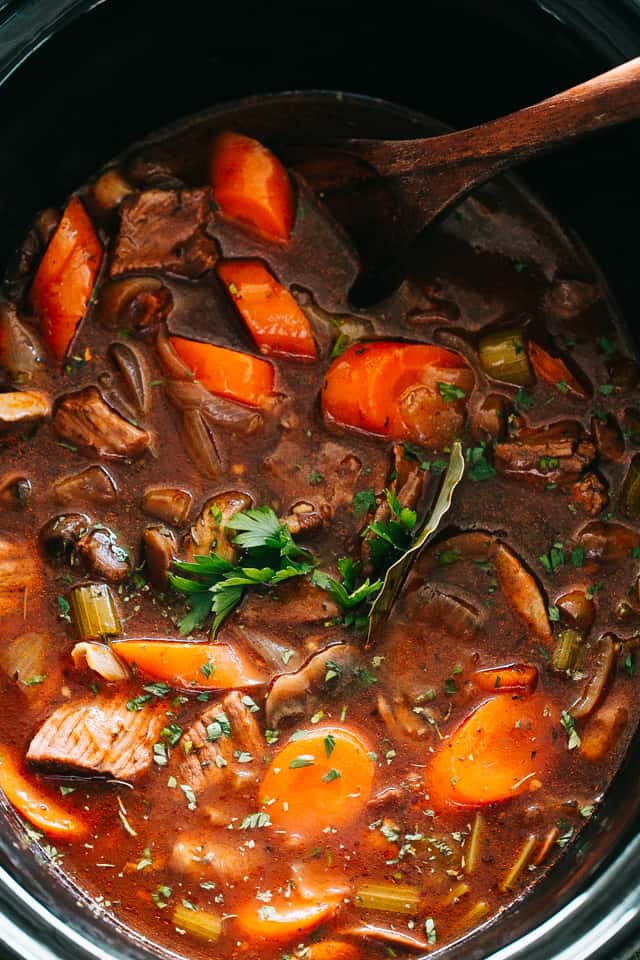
133,370
18,408
608,437
200,444
435,606
138,303
169,504
111,188
603,730
295,694
578,609
304,518
102,556
100,658
522,591
20,353
596,683
85,420
95,484
60,535
209,531
159,550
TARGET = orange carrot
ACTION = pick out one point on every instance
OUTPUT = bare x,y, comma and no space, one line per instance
251,185
274,319
286,919
502,749
227,373
554,370
321,779
317,895
34,804
513,677
400,390
65,278
214,666
333,950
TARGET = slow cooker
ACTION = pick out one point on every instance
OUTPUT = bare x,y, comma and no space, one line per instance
81,79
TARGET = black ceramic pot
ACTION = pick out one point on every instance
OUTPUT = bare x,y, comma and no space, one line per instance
79,80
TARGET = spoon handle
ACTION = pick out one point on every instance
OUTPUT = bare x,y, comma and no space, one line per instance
608,99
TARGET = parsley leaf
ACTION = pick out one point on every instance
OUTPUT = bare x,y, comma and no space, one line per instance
449,392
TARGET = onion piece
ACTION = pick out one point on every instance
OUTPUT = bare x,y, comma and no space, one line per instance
95,484
595,686
132,368
200,444
169,359
384,934
100,658
218,411
25,658
522,591
111,188
169,504
20,353
138,302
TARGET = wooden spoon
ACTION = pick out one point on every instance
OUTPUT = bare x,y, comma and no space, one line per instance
430,174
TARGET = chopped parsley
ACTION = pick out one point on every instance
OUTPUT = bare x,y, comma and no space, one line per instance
569,726
554,558
256,821
449,392
353,594
364,501
330,775
479,466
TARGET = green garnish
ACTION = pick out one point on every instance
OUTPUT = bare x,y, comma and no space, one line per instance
449,392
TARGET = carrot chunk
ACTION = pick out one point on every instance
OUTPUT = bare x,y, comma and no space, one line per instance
512,678
227,373
251,185
65,278
214,666
274,319
34,804
400,390
322,778
503,748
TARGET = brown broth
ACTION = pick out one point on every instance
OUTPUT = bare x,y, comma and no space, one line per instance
497,256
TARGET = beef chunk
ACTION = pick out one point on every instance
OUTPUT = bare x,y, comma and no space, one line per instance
85,420
211,762
557,453
218,857
325,477
296,602
300,693
99,736
591,494
159,550
165,230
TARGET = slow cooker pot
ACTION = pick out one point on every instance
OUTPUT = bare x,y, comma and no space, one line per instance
81,79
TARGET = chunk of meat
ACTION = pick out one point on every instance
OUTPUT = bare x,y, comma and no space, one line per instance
165,230
556,453
93,485
212,763
590,493
603,729
19,574
216,858
297,601
608,542
436,607
99,736
489,421
21,407
326,476
295,694
85,420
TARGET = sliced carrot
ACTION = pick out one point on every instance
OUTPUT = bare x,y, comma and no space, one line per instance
333,950
554,370
214,666
321,779
251,185
513,677
274,319
400,390
502,749
65,278
285,919
34,804
317,895
227,373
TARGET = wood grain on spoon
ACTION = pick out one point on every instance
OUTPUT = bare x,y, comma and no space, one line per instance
430,174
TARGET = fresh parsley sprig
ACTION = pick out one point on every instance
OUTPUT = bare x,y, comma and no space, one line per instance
269,556
351,593
389,539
